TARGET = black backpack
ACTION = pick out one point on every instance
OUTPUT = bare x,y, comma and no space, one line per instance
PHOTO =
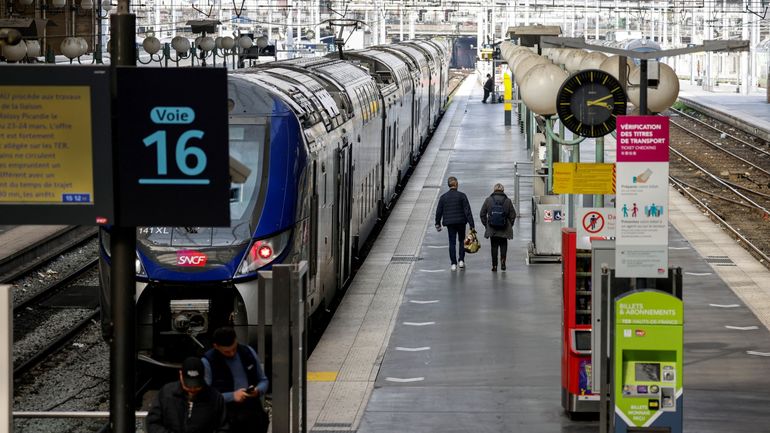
497,214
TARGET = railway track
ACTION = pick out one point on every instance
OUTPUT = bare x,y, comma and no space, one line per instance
37,253
726,175
56,325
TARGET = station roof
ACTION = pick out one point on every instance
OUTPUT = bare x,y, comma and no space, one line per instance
530,35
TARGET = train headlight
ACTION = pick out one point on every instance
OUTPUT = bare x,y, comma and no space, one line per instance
140,272
262,252
104,237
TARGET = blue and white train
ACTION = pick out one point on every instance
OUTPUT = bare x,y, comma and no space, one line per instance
318,150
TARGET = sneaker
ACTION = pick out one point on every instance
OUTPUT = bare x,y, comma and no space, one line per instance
461,264
454,267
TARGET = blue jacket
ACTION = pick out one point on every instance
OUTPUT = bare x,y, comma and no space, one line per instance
453,208
221,378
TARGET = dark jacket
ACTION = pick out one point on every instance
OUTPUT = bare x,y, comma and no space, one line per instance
171,413
248,415
489,84
453,208
222,378
510,212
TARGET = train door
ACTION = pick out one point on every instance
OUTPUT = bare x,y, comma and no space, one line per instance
343,206
314,226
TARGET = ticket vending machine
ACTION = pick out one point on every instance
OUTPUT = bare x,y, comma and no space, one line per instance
576,370
647,356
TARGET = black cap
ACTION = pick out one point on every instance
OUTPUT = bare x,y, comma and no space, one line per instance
192,372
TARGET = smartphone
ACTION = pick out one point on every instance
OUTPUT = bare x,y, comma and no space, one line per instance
251,389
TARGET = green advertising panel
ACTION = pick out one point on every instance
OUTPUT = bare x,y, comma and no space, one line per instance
648,361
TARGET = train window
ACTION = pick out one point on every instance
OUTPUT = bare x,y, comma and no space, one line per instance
248,167
361,206
387,143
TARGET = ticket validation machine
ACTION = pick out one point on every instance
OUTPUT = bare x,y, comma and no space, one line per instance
647,371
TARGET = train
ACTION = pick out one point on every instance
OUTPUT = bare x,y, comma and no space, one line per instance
319,147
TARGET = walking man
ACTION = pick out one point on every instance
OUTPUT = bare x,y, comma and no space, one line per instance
498,215
489,87
454,211
189,405
234,370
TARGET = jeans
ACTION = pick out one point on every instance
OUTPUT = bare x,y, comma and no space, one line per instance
498,242
486,95
456,231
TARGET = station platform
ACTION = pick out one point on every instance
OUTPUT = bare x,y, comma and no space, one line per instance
416,347
750,113
14,239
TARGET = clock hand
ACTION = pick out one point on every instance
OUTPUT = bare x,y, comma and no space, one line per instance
601,104
595,101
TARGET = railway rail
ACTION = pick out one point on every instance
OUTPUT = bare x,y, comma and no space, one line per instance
728,176
37,253
29,316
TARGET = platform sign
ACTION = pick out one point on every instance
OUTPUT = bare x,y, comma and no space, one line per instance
583,178
173,147
642,196
55,145
594,222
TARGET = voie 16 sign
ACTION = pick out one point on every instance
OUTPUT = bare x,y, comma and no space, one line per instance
173,147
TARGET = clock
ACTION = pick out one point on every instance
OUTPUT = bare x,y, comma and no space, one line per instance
589,101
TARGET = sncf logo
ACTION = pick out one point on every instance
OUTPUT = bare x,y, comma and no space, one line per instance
190,258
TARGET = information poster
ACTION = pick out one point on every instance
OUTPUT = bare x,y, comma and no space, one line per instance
45,145
583,178
55,145
642,197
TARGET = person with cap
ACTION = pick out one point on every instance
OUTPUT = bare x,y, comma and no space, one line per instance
498,215
454,211
234,370
188,405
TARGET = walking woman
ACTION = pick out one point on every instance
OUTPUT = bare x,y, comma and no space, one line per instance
498,216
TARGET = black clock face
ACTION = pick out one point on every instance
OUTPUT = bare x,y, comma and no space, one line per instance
589,101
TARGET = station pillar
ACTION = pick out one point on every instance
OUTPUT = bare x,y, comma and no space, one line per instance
508,95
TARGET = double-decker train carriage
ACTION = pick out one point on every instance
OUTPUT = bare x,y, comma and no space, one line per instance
318,148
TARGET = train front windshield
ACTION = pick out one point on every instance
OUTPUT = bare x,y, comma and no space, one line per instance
248,169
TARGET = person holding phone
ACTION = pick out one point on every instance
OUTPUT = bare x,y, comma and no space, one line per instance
234,370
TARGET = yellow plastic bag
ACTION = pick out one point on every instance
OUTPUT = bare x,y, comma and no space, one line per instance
471,242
